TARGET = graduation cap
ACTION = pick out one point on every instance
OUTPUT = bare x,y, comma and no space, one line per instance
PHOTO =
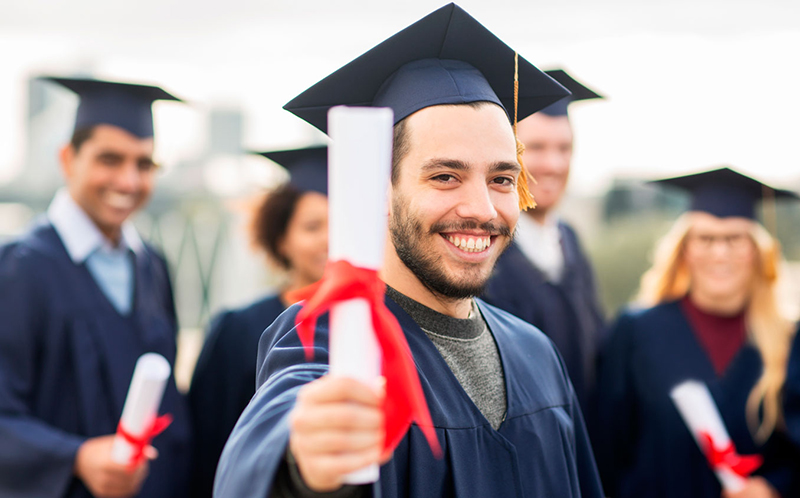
124,105
725,193
447,57
308,167
578,90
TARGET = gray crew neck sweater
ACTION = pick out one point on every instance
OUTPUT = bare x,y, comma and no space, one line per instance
470,351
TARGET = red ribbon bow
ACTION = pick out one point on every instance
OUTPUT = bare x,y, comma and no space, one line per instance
743,465
404,401
141,442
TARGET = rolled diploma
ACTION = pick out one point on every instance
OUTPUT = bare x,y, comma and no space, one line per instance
141,406
700,413
359,168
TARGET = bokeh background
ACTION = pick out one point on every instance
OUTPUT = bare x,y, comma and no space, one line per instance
690,85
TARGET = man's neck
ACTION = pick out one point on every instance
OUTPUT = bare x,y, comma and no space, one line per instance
397,275
538,215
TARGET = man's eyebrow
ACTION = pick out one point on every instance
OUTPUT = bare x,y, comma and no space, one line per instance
504,166
453,164
458,165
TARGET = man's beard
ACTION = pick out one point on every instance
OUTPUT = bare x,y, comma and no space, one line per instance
408,235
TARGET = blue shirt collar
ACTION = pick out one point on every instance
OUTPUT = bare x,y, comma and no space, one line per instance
80,235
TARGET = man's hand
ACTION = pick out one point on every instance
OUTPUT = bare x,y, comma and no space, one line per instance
104,477
336,428
756,487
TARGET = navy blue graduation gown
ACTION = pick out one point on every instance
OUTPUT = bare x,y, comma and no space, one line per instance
568,311
541,448
66,361
791,402
224,381
644,449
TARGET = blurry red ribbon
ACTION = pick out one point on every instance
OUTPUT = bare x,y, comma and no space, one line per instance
404,401
141,442
743,465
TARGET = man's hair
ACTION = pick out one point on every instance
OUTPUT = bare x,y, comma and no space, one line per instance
80,136
271,221
401,142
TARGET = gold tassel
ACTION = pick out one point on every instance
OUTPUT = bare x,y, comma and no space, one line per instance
526,200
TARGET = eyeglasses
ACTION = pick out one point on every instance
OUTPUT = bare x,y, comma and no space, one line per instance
735,242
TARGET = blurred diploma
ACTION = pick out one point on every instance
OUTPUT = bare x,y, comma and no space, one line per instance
360,157
700,413
141,406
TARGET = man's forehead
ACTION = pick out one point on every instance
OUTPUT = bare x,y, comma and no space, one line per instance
109,136
452,123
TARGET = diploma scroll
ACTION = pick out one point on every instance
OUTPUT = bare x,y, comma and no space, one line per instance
141,406
700,413
359,169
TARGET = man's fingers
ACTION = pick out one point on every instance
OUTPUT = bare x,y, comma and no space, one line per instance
343,416
151,453
339,442
332,389
346,463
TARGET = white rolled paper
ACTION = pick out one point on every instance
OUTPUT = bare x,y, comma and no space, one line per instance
700,413
359,169
141,405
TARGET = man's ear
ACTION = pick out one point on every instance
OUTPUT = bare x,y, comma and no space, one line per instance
66,157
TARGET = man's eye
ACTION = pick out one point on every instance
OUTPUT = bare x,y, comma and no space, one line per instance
109,160
504,180
444,178
146,165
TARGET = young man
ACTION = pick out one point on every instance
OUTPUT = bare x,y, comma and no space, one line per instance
500,400
82,297
544,277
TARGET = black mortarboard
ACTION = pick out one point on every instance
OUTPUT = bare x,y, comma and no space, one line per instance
725,193
447,57
578,90
308,167
124,105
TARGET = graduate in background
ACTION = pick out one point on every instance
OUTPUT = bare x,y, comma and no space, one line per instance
791,401
501,402
713,316
544,277
291,226
81,298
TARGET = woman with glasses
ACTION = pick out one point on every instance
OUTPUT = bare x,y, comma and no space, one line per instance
710,313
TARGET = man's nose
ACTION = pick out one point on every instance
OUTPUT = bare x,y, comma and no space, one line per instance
476,203
129,177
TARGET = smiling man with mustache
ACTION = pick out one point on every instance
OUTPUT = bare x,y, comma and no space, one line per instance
82,297
500,401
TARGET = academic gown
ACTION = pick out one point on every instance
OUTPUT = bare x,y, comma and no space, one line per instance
66,361
644,448
567,311
791,402
224,381
540,449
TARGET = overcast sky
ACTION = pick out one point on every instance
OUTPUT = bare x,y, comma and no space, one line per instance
691,84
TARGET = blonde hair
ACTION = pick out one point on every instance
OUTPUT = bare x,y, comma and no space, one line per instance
768,328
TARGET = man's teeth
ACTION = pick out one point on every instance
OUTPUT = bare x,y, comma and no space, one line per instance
470,244
120,201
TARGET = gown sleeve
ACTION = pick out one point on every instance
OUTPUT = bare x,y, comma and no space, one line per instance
36,459
615,431
256,449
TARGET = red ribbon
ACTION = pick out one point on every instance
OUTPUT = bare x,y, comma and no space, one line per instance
404,401
141,442
743,465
